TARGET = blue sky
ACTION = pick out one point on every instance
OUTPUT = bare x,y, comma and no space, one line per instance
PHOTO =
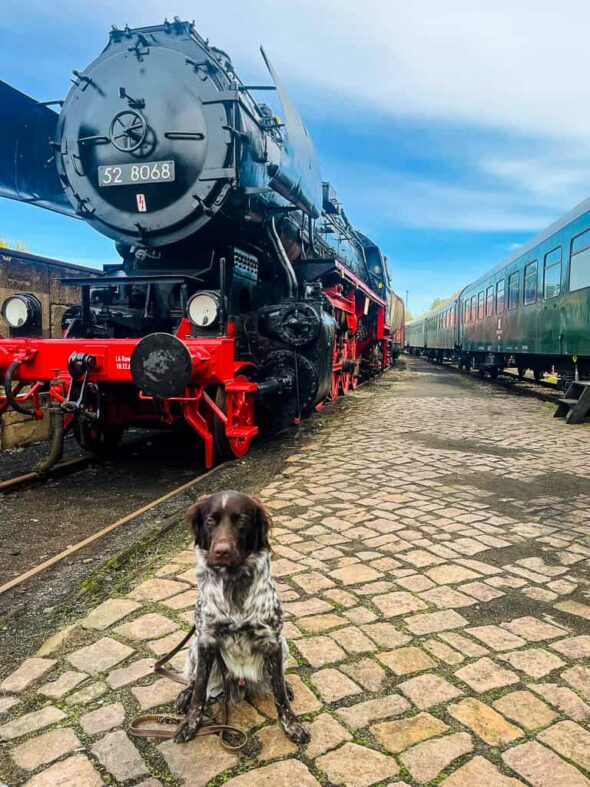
452,131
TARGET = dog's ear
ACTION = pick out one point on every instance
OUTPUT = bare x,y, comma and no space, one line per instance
194,521
263,526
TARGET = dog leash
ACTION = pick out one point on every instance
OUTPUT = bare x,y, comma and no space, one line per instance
213,728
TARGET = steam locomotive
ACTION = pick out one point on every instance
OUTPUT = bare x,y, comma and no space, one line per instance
244,296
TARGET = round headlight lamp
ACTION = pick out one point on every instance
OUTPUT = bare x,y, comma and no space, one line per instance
203,309
21,311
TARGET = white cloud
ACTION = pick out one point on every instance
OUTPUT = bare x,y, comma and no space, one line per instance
554,178
514,65
519,66
423,204
388,199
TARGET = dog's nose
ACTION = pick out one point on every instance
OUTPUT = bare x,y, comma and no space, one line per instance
222,551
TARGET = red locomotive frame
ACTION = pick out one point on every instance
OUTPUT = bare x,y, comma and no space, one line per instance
41,365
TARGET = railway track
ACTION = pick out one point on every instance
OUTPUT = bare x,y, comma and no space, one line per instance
69,465
72,549
544,391
46,519
71,476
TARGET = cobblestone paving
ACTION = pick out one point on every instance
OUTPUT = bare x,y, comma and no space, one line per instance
432,550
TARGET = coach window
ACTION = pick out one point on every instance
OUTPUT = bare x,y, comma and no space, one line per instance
489,301
530,283
513,289
500,297
552,274
473,309
580,262
480,306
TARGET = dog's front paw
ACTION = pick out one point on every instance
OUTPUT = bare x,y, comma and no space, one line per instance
183,700
296,732
186,732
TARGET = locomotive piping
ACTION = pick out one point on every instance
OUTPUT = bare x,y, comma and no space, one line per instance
57,441
290,277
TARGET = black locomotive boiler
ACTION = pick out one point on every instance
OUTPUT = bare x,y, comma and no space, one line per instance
243,296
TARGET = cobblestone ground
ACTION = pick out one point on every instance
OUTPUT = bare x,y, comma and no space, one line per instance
431,549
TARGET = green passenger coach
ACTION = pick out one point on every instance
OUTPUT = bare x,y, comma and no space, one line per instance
531,311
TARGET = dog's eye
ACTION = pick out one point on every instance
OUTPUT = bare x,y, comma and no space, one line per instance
209,522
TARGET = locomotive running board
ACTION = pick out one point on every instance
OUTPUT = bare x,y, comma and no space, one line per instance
575,406
310,270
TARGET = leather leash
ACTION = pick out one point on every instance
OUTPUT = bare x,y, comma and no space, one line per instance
211,728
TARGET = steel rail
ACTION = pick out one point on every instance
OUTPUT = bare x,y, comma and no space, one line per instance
69,464
41,567
74,464
506,380
46,564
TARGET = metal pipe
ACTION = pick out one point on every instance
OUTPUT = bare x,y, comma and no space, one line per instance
290,277
57,441
311,231
222,288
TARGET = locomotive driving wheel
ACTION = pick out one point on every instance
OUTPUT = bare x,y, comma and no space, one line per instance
336,374
345,382
96,437
335,387
349,378
233,439
92,430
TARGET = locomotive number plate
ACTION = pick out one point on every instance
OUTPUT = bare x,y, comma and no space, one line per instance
129,174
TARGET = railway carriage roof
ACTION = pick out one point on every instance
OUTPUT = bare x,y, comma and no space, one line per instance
552,229
440,308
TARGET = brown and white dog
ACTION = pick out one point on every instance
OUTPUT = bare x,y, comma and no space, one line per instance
238,616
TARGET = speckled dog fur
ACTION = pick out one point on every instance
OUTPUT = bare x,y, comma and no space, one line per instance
238,616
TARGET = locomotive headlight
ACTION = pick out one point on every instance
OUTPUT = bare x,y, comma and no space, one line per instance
20,311
203,309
